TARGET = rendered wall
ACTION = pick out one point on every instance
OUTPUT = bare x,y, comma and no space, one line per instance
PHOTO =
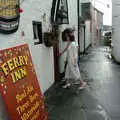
116,29
41,55
88,40
85,41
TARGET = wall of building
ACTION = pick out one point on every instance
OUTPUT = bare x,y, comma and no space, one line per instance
82,38
41,55
100,26
97,27
85,40
93,28
87,34
116,29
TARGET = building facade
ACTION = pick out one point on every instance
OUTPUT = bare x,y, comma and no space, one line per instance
115,29
91,32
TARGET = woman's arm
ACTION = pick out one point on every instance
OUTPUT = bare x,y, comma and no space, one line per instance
68,43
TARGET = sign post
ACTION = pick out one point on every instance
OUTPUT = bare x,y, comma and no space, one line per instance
19,85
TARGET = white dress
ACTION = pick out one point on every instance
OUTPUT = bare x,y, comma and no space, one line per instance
72,71
62,58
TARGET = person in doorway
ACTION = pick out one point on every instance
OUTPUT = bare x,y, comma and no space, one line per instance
72,70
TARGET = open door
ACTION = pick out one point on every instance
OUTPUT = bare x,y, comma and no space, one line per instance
59,15
56,63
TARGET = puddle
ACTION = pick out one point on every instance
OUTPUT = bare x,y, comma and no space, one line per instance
99,111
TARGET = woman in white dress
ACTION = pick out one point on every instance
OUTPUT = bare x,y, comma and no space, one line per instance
72,70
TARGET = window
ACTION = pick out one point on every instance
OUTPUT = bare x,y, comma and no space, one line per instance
86,10
37,32
59,12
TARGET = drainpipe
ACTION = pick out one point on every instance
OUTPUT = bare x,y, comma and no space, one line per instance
78,14
84,27
84,40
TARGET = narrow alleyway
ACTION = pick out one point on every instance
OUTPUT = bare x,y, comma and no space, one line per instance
99,100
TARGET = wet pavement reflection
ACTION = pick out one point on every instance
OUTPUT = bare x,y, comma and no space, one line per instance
98,101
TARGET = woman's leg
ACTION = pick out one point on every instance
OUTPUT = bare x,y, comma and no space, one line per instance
67,77
82,85
67,84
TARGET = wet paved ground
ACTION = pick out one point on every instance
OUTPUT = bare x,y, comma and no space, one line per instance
100,100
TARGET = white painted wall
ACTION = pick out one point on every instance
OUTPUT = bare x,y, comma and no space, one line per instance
91,37
87,31
116,29
94,24
87,34
42,56
73,22
97,24
81,39
87,38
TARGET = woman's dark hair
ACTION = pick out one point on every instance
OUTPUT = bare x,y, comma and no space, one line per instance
68,33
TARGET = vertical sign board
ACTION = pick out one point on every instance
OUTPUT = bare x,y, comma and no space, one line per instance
9,16
19,85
